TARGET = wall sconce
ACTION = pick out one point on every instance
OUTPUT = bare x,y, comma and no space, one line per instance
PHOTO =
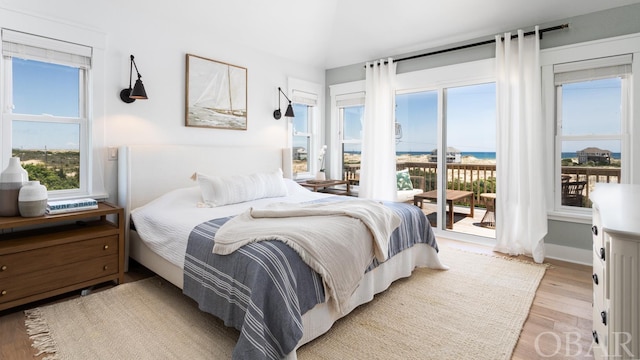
277,114
130,95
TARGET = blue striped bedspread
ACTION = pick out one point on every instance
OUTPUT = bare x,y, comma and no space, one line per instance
264,288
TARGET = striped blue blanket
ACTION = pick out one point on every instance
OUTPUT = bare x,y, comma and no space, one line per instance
264,288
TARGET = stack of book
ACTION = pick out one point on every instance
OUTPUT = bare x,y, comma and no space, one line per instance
66,206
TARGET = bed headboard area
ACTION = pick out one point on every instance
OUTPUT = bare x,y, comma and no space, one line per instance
147,171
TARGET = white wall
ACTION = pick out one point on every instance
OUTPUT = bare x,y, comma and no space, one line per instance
159,34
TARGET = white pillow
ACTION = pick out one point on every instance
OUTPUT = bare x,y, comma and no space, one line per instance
224,190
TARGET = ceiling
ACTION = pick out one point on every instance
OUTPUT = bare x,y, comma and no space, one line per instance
334,33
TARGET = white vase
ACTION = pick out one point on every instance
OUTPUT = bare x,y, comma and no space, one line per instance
11,180
320,175
32,200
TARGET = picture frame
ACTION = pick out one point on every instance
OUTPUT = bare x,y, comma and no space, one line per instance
216,94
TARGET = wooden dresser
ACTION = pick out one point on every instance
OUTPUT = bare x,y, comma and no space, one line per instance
53,254
616,271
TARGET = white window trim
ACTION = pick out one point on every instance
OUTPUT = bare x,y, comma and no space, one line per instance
96,40
310,92
335,127
617,46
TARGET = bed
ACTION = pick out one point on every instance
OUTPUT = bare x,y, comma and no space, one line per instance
158,177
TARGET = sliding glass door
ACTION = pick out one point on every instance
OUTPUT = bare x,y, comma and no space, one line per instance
417,142
470,123
446,138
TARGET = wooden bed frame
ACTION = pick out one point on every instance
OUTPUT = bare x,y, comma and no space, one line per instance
145,172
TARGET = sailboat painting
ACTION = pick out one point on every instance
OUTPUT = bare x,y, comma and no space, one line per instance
216,94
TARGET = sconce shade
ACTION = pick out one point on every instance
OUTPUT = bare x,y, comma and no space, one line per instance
130,94
277,114
138,91
289,112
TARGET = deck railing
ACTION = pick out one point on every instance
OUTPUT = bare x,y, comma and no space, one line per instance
591,175
480,178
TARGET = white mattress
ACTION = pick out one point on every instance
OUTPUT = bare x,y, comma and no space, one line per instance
165,223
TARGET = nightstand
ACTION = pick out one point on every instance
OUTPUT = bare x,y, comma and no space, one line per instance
50,255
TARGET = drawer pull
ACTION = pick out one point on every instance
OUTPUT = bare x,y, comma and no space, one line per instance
595,337
3,292
595,278
106,247
603,315
106,267
3,268
602,254
594,230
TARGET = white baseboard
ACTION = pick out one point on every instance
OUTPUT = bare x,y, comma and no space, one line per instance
567,253
551,251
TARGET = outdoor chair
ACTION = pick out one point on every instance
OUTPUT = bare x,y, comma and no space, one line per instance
572,193
418,183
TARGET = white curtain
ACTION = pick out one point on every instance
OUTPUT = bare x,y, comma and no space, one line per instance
378,159
521,217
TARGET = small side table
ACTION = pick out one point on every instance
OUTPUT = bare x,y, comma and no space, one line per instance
451,196
489,218
328,186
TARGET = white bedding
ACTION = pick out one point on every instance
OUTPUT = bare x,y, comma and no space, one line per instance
165,223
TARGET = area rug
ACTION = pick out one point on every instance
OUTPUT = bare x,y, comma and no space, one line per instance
475,310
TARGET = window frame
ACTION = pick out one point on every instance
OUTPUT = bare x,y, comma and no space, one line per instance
337,93
342,102
308,135
307,93
630,166
96,94
83,121
560,138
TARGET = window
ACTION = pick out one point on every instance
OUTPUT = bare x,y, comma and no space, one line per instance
592,107
46,122
351,116
305,129
417,125
301,139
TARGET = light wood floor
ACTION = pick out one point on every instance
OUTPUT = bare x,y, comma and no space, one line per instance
558,326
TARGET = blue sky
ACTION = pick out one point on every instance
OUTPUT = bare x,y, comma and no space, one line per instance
44,88
591,107
470,119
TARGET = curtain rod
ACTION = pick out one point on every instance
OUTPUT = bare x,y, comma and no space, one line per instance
541,31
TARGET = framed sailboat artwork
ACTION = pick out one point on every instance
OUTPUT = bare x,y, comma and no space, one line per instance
216,94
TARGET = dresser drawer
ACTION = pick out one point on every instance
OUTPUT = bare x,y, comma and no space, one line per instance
28,284
597,234
598,281
600,309
600,253
600,330
25,262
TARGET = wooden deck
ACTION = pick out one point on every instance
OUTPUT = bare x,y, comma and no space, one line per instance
461,221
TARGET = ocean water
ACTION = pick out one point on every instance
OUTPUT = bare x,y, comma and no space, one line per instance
484,155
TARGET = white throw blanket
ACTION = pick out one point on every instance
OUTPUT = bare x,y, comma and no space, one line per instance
338,240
